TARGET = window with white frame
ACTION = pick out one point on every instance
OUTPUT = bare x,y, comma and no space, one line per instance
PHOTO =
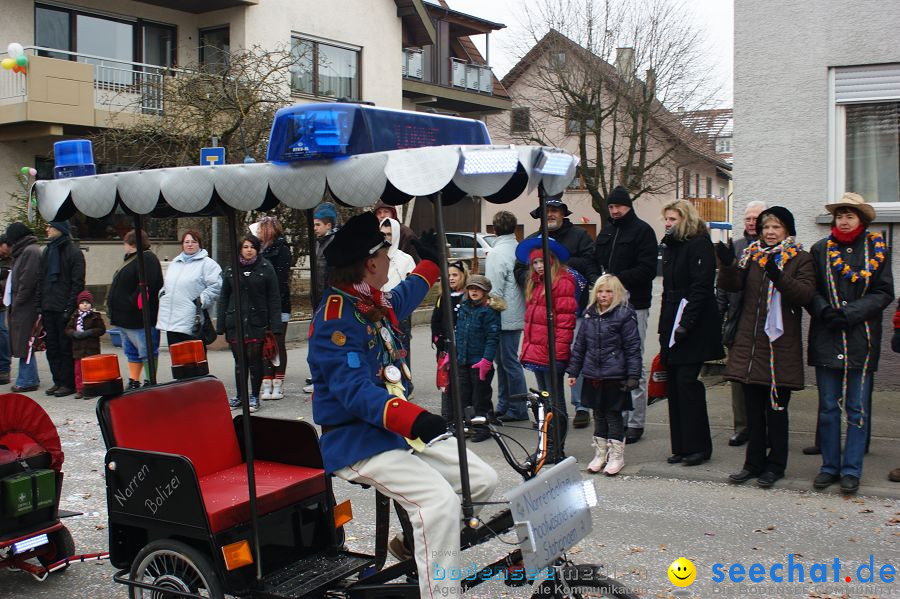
325,69
865,132
723,145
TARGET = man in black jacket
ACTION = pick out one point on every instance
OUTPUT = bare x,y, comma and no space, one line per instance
581,258
627,248
62,279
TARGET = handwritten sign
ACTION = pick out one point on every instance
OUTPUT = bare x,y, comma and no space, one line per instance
551,513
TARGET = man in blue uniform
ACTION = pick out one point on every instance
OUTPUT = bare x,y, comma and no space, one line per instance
370,433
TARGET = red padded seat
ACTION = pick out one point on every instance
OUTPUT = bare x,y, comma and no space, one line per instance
192,419
277,485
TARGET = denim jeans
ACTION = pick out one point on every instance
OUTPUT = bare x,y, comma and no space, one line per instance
134,343
510,375
575,392
637,417
829,381
559,402
4,344
28,373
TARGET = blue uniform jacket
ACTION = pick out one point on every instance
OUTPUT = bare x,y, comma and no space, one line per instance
345,358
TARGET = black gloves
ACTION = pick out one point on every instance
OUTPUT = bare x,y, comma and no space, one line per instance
630,383
895,341
834,320
427,246
427,426
725,253
772,270
80,334
681,334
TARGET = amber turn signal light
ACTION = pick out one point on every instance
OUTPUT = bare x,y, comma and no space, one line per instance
101,375
188,359
237,555
343,513
187,352
100,369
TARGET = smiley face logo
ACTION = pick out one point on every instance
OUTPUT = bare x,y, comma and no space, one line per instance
682,572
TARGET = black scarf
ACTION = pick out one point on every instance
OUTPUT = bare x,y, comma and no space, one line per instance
54,249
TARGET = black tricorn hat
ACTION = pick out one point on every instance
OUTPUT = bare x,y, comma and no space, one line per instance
358,239
552,202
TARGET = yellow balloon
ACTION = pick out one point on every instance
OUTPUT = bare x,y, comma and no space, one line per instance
8,63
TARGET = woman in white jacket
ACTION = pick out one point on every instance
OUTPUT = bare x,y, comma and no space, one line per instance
191,277
401,263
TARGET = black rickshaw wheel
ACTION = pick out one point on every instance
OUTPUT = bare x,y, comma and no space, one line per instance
173,565
580,582
61,546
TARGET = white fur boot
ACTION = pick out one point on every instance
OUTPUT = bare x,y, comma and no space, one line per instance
599,461
266,391
616,457
277,389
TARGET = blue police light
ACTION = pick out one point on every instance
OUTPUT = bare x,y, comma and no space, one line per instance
73,158
335,130
553,162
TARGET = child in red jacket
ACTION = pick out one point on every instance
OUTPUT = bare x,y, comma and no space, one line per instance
564,301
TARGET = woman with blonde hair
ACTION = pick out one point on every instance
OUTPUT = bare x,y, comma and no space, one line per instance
690,328
607,351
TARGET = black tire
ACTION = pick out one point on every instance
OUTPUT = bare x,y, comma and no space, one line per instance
61,546
173,565
581,582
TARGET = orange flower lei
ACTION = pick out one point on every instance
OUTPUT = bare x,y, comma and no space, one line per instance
848,272
781,253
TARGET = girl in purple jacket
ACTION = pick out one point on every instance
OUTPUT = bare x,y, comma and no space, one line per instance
607,351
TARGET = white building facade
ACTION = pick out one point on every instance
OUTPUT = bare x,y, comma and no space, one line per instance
817,109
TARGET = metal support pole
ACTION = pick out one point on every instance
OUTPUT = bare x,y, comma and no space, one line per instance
313,260
551,324
145,298
447,315
242,384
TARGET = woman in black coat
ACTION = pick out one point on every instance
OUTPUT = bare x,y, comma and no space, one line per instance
854,285
124,306
275,249
260,313
689,328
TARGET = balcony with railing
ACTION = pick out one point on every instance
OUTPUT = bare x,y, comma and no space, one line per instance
472,77
461,74
70,88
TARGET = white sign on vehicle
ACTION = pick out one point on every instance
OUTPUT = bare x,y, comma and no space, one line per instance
551,513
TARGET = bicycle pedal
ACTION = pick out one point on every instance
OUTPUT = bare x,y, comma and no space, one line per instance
515,576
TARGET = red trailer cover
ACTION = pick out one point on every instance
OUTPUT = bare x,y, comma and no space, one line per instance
26,431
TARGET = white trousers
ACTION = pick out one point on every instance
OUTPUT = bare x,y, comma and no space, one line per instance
427,485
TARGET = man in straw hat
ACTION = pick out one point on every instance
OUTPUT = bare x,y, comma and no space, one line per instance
361,384
853,287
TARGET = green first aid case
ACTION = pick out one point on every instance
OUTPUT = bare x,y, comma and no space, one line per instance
44,488
18,498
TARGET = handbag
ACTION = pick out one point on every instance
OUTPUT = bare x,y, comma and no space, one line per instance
203,328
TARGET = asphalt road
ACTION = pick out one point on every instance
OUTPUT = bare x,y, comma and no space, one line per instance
642,524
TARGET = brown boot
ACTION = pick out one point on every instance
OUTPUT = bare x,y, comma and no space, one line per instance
894,475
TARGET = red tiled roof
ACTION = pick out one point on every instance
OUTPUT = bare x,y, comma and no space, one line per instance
667,120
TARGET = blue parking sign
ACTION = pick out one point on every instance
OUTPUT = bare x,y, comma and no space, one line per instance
212,156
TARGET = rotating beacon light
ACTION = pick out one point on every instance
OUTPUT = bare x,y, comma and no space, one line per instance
73,158
101,375
188,359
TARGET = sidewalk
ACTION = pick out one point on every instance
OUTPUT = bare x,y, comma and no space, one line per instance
645,458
